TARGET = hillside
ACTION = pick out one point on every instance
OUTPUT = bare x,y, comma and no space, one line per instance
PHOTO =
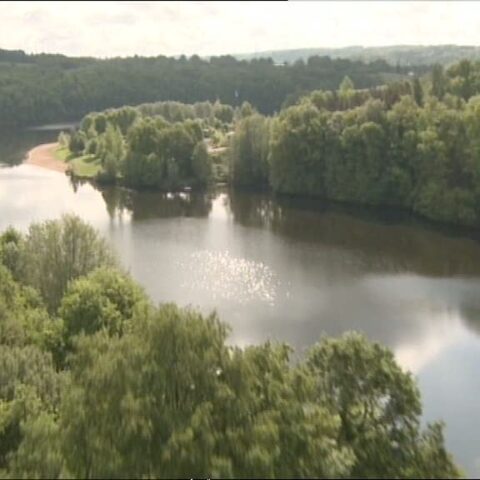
403,55
36,89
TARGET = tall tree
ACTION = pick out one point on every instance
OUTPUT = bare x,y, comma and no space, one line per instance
438,81
417,91
59,251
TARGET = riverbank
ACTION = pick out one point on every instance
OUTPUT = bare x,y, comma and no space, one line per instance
54,157
85,167
44,156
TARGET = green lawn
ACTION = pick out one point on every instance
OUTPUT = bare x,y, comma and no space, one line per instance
63,154
86,166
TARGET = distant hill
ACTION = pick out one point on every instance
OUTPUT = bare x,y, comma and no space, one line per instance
403,55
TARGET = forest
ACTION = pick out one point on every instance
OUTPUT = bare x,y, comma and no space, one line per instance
86,354
411,144
422,57
164,145
37,89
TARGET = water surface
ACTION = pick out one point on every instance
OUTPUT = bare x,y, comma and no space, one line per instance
291,270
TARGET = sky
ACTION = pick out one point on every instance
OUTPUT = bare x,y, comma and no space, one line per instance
122,28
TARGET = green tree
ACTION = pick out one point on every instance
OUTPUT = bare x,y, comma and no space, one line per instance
29,386
438,82
100,123
246,110
201,165
59,251
11,246
298,146
187,405
77,142
417,91
64,139
112,153
103,299
379,407
23,318
346,92
346,85
462,79
39,454
249,148
223,112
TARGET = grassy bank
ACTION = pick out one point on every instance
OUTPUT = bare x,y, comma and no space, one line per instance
88,166
84,166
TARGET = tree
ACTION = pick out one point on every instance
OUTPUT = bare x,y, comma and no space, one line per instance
64,139
123,118
223,112
346,85
249,151
70,87
23,318
201,165
186,402
77,142
103,299
29,386
11,246
379,407
112,153
59,251
299,141
438,82
113,143
417,92
39,454
346,92
100,123
187,405
177,143
246,110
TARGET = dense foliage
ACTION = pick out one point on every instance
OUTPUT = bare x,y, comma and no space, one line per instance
161,145
36,89
411,145
52,254
107,385
249,151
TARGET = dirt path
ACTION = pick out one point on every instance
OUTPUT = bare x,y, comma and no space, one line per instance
42,156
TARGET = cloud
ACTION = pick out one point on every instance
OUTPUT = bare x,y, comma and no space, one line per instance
168,28
113,19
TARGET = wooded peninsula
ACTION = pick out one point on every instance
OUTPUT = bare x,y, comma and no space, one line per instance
411,144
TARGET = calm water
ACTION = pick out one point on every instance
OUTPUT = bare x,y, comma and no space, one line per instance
292,270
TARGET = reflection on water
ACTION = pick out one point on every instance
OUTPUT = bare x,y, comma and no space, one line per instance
386,243
445,330
291,270
155,204
228,278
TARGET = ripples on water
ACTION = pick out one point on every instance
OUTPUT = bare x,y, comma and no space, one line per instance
225,277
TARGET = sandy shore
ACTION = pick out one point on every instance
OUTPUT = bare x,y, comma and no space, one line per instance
42,156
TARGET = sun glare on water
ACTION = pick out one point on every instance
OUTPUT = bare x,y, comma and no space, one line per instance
223,276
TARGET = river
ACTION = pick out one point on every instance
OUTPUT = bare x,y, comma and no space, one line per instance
290,270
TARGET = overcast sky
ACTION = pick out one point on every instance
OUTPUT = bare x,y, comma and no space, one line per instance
106,29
